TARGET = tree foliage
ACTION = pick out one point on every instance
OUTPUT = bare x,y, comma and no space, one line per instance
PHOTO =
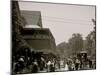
91,41
76,43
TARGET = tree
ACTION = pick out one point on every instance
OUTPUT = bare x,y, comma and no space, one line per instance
76,43
91,44
63,49
91,41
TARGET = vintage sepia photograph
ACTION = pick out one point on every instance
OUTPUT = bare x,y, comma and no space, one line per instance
52,37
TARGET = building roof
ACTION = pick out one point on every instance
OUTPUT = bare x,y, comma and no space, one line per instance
32,17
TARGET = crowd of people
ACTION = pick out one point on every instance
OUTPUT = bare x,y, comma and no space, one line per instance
30,62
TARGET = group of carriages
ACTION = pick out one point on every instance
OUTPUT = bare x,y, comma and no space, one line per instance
86,61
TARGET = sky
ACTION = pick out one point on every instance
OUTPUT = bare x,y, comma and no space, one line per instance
63,19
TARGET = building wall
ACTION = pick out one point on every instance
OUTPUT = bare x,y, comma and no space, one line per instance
17,24
39,44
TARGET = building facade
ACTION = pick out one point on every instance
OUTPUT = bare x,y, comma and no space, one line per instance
37,37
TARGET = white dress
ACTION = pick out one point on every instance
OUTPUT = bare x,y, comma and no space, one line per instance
66,67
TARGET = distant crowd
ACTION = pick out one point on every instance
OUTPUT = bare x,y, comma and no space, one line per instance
26,61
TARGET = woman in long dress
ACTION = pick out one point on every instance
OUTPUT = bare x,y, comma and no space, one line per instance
66,67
